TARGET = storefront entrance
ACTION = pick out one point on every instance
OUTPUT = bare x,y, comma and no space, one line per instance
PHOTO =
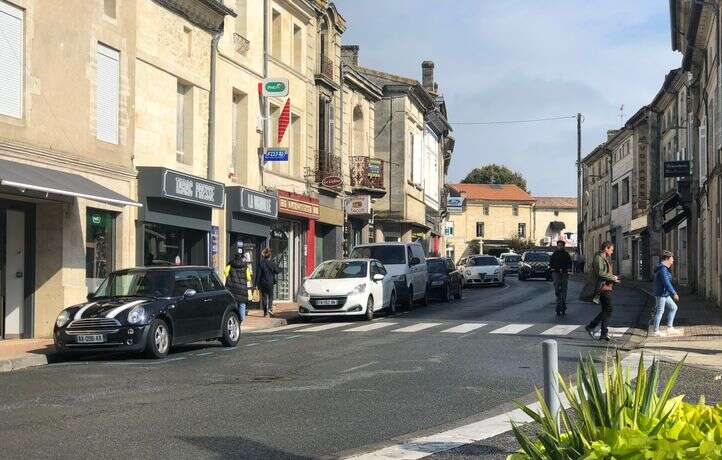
16,268
168,245
285,245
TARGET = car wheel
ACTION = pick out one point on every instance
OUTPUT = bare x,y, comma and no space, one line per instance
159,339
369,309
392,303
409,301
425,298
446,294
231,330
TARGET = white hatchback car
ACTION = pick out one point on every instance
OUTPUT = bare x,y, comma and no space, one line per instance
482,271
352,287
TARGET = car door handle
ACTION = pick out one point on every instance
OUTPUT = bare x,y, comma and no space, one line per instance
208,300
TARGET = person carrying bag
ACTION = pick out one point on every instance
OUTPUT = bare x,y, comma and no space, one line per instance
265,280
237,283
600,283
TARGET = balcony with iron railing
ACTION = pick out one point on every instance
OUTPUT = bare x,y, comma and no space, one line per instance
324,72
367,174
326,170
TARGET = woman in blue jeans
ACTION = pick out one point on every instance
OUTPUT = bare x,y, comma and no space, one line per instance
664,294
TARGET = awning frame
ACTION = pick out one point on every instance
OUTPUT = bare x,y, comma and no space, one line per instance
37,188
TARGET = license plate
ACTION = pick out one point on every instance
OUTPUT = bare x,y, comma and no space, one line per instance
96,338
327,302
437,283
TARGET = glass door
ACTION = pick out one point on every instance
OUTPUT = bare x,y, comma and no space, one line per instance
280,244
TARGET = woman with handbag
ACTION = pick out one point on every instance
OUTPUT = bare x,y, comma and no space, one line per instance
265,279
236,282
600,283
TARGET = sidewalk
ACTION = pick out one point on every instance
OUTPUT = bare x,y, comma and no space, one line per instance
22,353
701,324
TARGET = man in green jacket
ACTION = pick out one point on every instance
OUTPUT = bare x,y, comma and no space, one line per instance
604,280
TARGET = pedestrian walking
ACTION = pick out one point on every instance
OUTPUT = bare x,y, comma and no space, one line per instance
665,296
560,263
266,279
600,282
237,283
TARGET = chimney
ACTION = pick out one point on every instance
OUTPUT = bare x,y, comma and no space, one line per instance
427,75
349,54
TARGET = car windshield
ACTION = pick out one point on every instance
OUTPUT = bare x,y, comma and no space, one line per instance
537,257
337,269
483,261
137,283
509,259
436,265
387,255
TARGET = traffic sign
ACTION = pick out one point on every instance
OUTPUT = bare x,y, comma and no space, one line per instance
677,168
275,87
275,154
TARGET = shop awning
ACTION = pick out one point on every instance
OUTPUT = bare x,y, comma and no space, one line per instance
26,177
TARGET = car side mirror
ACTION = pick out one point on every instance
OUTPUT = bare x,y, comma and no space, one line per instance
189,293
415,261
90,295
378,277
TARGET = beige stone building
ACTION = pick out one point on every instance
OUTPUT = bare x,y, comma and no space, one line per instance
596,168
488,218
554,219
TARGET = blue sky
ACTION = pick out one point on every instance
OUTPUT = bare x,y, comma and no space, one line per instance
522,59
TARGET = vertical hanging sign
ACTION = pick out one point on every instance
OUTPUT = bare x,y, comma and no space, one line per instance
215,234
283,120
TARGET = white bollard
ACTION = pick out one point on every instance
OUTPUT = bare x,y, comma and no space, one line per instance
551,384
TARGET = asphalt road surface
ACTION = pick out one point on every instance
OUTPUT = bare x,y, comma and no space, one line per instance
324,389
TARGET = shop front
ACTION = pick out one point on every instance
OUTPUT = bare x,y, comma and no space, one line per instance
358,213
175,223
50,221
293,242
251,216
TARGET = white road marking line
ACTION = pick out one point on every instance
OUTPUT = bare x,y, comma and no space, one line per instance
464,328
511,329
359,367
561,329
293,336
417,327
287,327
369,327
474,432
204,354
324,327
253,344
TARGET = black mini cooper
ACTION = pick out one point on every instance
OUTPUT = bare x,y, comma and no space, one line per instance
151,309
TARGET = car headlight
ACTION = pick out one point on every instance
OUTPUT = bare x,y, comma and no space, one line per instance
358,289
302,292
63,318
399,279
468,272
497,271
137,315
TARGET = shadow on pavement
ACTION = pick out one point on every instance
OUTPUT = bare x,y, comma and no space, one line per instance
239,447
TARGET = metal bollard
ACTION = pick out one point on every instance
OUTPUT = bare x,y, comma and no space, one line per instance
551,384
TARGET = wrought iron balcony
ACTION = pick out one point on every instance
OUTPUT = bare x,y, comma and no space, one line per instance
326,67
241,44
327,170
367,173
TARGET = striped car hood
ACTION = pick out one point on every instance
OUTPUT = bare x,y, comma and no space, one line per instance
107,308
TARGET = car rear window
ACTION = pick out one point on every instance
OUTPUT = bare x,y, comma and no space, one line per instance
512,258
387,255
537,257
436,265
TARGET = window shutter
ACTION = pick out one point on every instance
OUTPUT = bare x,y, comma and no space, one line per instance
11,60
107,94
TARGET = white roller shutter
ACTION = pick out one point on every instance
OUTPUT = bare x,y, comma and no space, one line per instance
11,60
107,94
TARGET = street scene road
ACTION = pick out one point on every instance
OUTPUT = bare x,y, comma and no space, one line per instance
307,390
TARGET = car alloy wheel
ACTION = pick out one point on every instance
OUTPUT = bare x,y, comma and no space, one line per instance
369,309
159,339
231,329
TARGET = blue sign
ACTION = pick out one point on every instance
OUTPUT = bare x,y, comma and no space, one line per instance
275,154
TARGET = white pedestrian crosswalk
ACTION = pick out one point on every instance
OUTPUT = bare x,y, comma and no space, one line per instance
464,328
450,328
511,329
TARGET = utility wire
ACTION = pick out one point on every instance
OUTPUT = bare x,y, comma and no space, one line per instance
508,122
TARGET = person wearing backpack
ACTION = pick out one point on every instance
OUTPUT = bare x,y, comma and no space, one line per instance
664,293
600,283
237,283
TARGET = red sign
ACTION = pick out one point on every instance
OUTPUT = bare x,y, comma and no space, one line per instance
331,181
296,204
283,120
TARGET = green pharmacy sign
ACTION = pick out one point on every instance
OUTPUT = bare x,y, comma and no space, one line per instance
96,219
275,87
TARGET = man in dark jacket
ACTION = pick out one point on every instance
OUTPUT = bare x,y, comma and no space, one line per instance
236,283
601,277
560,263
265,279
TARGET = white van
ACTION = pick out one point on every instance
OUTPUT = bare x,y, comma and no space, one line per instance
405,262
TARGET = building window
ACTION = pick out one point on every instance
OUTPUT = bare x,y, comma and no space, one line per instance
515,210
297,47
480,229
99,246
107,94
239,133
556,213
167,245
615,196
449,229
184,124
486,209
12,56
276,34
109,8
522,230
625,190
416,158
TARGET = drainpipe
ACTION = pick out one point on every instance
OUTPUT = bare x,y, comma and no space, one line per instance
212,106
261,98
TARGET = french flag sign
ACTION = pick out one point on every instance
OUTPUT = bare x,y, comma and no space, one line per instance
283,120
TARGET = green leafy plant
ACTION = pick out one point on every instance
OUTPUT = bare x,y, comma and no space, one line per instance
616,418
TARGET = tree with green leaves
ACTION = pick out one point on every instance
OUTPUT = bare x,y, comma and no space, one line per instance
495,174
